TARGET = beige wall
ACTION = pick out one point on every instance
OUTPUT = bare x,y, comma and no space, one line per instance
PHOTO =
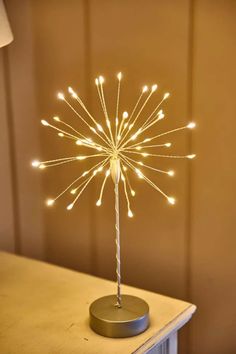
188,48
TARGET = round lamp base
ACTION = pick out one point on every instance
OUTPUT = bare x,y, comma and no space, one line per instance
109,320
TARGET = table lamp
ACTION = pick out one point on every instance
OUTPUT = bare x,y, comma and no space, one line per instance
6,35
120,148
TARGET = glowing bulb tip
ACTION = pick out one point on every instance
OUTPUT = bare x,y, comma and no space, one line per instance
171,200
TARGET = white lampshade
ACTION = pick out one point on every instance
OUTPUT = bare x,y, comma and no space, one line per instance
6,35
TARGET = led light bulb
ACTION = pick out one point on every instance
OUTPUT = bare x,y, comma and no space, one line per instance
79,142
145,154
168,145
73,191
191,125
119,76
42,166
35,163
108,123
171,200
140,163
166,95
125,115
171,173
108,173
56,118
96,82
125,125
133,193
101,80
100,128
50,202
80,157
124,168
100,168
154,87
146,140
99,202
85,173
93,130
60,96
44,122
131,126
61,135
145,88
70,206
161,116
191,156
130,214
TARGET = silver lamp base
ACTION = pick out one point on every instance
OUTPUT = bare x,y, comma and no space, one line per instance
109,320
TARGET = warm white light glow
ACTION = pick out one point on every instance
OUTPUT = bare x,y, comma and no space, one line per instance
191,125
161,116
154,88
125,115
50,202
101,80
35,163
113,140
191,156
100,128
166,95
145,88
60,96
171,200
130,214
44,122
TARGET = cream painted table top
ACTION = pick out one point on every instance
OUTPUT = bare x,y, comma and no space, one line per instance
44,310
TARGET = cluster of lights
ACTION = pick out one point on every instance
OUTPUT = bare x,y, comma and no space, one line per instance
116,141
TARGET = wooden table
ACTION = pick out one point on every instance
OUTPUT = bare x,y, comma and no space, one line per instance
44,310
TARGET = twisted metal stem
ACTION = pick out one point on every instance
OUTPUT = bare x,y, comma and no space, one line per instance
117,227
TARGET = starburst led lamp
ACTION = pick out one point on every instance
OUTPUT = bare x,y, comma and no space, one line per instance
119,149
